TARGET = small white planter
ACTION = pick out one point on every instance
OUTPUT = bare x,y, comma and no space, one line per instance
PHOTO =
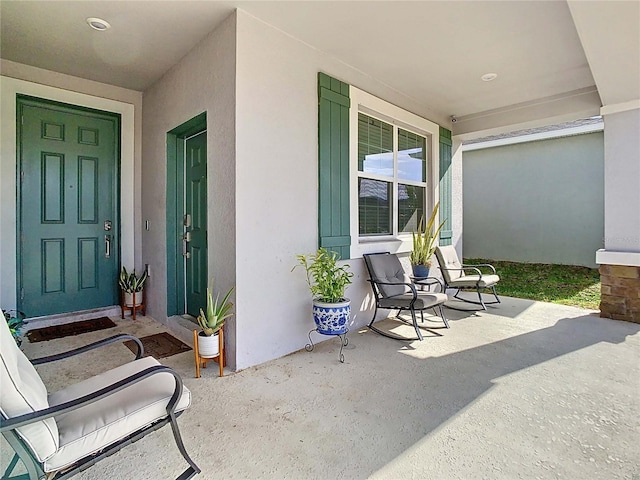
128,299
208,347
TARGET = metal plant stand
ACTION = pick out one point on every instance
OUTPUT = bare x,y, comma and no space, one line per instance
344,341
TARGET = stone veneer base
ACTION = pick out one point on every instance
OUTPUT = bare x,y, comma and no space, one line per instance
620,292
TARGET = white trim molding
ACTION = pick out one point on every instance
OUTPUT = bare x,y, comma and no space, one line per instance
611,257
620,107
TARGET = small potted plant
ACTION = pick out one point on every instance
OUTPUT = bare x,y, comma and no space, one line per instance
327,282
15,321
211,321
132,286
424,244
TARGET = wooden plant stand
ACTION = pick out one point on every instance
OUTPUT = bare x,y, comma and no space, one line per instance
203,360
134,308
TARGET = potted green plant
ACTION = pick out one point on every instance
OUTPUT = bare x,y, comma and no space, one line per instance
132,286
327,282
424,244
211,321
15,321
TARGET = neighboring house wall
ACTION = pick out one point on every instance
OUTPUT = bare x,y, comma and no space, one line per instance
540,202
23,79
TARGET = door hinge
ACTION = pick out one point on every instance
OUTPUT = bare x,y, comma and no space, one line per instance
21,176
22,294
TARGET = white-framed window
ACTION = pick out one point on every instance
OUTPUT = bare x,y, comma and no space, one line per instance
394,159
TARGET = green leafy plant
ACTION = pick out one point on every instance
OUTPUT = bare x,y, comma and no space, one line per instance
217,312
326,279
131,282
15,321
424,240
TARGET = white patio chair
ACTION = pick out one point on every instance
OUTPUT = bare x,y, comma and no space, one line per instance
60,434
466,277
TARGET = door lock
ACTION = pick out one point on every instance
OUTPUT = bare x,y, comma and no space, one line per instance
107,225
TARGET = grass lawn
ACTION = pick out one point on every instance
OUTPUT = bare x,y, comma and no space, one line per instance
564,284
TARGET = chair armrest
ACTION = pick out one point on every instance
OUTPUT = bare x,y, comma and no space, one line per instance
410,285
481,265
26,419
91,346
464,268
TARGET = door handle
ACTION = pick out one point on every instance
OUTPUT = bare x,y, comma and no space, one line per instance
185,248
107,246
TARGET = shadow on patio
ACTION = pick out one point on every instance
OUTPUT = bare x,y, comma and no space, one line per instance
547,392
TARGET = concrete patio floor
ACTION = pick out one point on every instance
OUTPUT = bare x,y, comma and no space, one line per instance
524,391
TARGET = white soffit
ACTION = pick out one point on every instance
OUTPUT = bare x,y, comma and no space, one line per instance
610,36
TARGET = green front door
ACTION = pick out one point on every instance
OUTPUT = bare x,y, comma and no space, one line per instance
68,238
195,199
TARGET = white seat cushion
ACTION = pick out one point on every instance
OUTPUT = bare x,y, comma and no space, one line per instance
474,280
424,300
91,428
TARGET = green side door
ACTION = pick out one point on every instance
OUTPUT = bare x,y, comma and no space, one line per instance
195,190
68,232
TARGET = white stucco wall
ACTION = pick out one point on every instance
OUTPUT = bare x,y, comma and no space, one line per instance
23,79
540,202
622,180
204,80
276,188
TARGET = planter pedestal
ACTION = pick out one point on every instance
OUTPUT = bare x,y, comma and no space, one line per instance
202,361
137,297
331,319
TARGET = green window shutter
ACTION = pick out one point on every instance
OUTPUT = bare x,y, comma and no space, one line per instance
333,165
446,233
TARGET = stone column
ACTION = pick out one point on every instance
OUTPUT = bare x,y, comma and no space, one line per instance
620,259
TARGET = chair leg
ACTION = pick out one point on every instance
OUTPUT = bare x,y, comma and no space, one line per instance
34,469
193,470
495,294
374,316
484,307
415,324
444,319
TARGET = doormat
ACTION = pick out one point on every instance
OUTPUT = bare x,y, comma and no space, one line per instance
69,329
160,345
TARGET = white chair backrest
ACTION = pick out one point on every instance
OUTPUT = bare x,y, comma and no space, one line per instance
21,392
448,258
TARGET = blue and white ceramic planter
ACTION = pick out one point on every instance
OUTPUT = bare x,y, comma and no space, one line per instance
332,318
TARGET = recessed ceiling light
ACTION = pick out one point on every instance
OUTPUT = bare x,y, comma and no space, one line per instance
487,77
98,24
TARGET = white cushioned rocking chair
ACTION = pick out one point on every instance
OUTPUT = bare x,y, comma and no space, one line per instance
61,434
466,277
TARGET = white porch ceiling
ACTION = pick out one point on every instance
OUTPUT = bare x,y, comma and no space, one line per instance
545,53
